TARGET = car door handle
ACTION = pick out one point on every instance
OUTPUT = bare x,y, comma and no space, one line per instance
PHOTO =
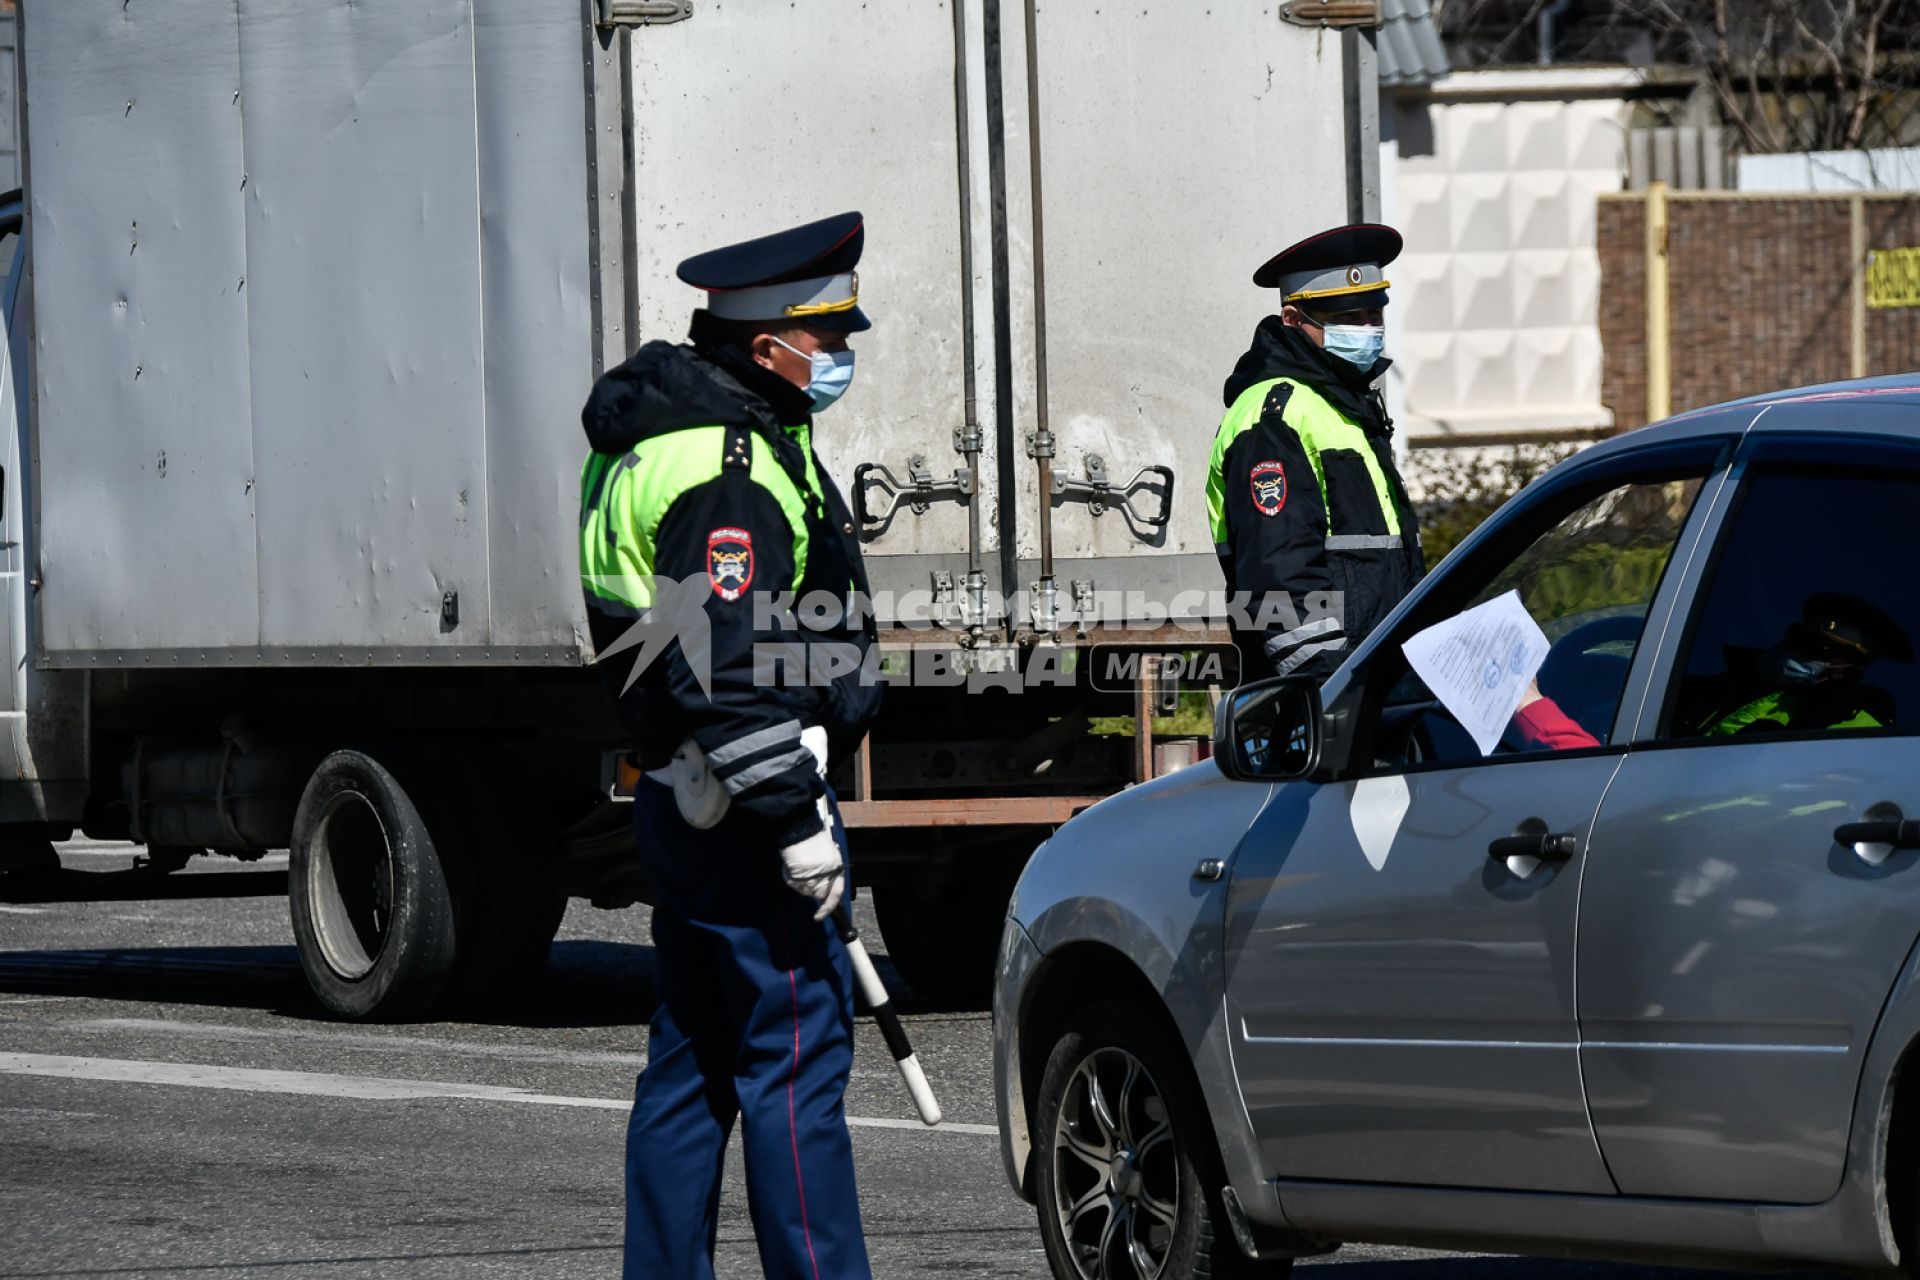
1548,847
1875,839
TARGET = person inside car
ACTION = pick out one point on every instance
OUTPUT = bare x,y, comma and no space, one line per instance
1813,677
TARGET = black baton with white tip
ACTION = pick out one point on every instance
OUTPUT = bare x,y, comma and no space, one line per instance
882,1007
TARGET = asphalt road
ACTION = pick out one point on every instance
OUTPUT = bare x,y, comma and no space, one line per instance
173,1103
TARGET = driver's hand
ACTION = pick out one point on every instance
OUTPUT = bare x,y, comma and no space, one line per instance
1532,694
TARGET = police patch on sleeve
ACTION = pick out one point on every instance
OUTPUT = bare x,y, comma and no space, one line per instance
730,562
1269,487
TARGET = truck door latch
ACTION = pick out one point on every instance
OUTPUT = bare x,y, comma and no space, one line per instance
1099,492
919,492
643,13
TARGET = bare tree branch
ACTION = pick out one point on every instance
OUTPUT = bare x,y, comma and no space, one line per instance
1783,75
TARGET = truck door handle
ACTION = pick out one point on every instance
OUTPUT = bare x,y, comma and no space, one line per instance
1548,847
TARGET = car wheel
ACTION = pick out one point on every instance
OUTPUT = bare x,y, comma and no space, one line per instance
1129,1174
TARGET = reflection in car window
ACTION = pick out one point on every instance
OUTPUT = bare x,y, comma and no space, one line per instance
1805,624
1588,581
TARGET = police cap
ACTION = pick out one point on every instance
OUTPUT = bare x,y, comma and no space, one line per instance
1848,627
1337,270
805,275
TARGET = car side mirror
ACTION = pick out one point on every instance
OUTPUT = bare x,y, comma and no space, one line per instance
1269,731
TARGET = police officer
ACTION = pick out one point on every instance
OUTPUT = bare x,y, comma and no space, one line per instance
1814,676
1310,518
703,477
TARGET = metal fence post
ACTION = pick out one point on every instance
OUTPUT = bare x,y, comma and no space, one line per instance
1857,207
1659,364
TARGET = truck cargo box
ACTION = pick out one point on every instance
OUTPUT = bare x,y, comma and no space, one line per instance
318,288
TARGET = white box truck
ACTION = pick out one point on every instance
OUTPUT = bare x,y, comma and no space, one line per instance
304,299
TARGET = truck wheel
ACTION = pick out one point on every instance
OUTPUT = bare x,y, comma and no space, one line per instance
512,904
27,853
1128,1174
943,932
373,916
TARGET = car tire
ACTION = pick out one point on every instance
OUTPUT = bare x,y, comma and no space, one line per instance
368,885
1128,1174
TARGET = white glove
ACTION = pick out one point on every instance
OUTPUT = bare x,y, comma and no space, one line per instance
813,869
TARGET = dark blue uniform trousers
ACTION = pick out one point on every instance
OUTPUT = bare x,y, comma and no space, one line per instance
755,1021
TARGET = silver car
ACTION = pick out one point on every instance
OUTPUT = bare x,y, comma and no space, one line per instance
1640,983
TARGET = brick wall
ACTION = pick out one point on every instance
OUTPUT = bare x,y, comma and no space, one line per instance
1893,335
1760,295
1622,232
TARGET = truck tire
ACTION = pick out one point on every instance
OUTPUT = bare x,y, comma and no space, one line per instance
943,931
25,852
368,885
511,904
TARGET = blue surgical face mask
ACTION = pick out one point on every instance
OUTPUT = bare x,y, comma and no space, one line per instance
1358,344
1794,670
832,374
1804,671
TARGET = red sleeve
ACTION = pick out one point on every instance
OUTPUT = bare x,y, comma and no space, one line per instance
1544,726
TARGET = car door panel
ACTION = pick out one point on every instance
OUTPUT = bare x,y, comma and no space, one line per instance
1401,1004
1414,1023
1734,960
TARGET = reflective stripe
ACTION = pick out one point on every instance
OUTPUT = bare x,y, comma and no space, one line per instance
759,773
1300,656
1363,542
1278,644
758,740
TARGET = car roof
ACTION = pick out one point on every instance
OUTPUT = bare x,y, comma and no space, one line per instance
1895,388
1733,417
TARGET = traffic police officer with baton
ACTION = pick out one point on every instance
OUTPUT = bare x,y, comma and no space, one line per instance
702,504
1310,518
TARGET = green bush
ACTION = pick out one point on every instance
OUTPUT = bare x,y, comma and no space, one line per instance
1454,490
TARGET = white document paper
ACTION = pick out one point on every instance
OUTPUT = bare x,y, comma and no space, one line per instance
1479,664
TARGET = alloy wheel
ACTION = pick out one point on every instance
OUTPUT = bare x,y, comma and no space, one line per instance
1116,1169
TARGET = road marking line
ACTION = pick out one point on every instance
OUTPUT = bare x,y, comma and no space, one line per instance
359,1040
23,911
317,1084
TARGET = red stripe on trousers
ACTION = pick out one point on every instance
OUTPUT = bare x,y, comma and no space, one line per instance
793,1129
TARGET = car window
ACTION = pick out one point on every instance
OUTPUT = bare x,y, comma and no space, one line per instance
1588,578
1806,622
